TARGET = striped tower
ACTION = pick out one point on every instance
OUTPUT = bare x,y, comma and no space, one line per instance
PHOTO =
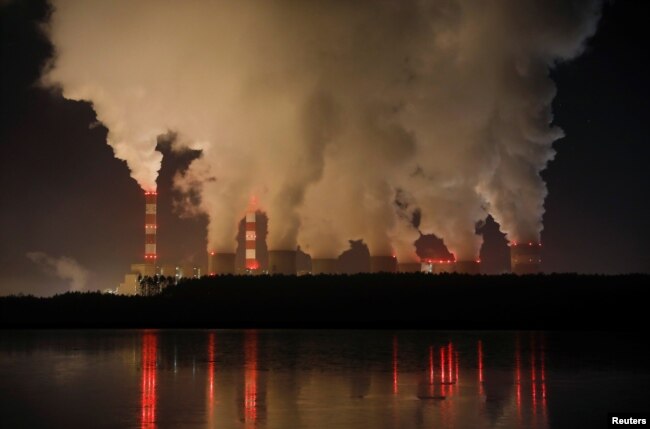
251,242
150,227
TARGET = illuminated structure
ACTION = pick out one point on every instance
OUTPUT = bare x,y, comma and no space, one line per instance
150,229
525,258
251,263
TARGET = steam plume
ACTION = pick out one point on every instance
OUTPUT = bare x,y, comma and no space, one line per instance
331,111
64,268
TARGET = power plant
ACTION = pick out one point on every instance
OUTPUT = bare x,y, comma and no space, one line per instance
524,257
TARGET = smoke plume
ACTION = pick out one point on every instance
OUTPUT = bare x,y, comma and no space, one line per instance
64,268
333,114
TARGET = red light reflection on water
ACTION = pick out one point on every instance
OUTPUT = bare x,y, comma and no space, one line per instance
148,398
431,371
395,367
450,362
518,377
250,377
211,366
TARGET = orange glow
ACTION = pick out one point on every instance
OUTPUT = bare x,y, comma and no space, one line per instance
395,367
211,365
252,265
148,388
457,365
442,364
250,377
450,361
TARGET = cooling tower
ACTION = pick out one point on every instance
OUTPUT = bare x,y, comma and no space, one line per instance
467,267
324,266
221,263
409,267
282,262
525,258
150,228
383,264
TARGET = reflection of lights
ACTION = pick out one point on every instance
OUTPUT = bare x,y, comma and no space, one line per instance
211,365
518,376
533,383
430,364
480,362
395,366
450,363
543,375
148,398
442,364
250,377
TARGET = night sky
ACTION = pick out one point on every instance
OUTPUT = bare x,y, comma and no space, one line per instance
65,194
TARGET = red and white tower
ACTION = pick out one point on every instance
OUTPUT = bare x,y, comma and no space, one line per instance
251,241
150,227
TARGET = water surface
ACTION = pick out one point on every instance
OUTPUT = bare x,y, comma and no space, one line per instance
319,379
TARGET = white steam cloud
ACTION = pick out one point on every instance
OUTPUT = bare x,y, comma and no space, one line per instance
341,117
64,268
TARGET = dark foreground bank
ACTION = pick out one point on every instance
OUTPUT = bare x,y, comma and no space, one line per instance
558,301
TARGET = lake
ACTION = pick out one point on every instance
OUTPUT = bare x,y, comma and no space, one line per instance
319,378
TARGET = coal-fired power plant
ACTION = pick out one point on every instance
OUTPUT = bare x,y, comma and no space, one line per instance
150,230
525,258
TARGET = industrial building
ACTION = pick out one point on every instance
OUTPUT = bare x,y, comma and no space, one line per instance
525,258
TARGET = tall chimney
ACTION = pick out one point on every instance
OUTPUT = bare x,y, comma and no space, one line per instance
525,258
251,242
150,227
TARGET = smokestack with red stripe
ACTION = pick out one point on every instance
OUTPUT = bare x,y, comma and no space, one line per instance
251,242
150,227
